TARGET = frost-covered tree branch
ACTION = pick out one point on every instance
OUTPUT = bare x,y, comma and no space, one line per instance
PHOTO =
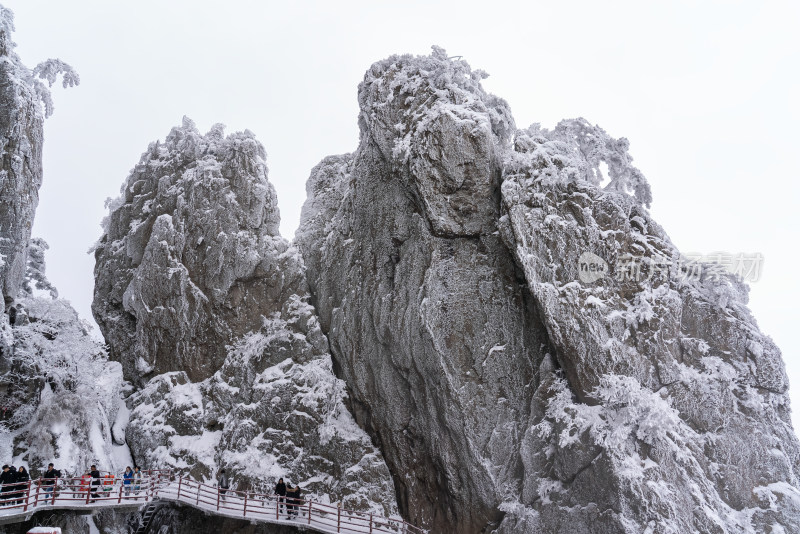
51,68
48,70
35,275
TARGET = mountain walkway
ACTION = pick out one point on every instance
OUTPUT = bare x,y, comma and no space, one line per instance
19,503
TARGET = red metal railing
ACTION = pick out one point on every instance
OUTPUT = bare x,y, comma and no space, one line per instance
73,491
270,507
110,490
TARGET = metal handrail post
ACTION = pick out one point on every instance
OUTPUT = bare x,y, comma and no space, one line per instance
27,496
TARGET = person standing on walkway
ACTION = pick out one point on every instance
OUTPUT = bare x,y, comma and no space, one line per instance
280,491
49,481
22,483
137,479
291,499
127,478
86,481
293,496
95,482
223,483
7,480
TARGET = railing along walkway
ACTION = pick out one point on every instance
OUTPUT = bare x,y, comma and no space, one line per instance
20,503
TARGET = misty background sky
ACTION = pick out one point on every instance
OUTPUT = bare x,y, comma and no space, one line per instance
706,92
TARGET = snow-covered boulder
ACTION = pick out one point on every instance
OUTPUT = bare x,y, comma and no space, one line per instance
666,407
425,309
190,256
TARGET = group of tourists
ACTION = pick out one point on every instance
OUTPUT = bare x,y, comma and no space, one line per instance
93,480
15,482
288,496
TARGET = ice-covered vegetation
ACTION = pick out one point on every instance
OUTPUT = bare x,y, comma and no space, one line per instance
60,395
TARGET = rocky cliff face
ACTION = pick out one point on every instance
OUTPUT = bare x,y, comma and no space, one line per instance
422,302
21,121
190,255
58,392
510,388
20,175
206,306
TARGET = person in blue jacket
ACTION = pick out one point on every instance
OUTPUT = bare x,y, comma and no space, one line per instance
127,479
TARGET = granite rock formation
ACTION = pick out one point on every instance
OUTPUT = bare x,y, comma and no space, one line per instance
21,121
206,307
189,256
422,302
511,387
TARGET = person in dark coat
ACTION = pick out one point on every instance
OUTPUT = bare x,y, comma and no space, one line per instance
280,491
223,483
49,482
7,480
95,482
293,497
296,497
22,483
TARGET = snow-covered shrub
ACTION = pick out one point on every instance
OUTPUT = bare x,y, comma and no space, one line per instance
62,393
625,411
575,150
35,276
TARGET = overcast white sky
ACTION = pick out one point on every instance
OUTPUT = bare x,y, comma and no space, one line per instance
706,92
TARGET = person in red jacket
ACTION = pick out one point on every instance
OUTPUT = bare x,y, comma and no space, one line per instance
86,481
